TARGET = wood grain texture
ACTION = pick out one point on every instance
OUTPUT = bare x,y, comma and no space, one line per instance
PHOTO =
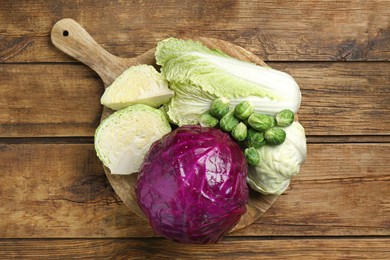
71,38
343,190
275,30
60,190
343,98
49,100
229,248
337,98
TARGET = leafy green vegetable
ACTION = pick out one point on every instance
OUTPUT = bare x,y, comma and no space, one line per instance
219,107
140,84
245,121
254,138
260,122
284,117
243,110
252,156
275,136
122,139
199,75
239,132
207,120
228,122
279,163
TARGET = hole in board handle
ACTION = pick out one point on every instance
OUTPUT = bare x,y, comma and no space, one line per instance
65,33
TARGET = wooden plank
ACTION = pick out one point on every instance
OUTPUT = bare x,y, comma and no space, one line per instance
343,99
362,248
60,190
274,30
342,190
49,100
337,98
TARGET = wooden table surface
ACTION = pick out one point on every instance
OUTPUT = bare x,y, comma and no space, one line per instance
55,199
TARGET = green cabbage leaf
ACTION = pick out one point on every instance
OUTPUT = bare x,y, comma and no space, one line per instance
198,75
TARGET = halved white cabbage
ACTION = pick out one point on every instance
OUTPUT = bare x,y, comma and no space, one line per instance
123,139
141,84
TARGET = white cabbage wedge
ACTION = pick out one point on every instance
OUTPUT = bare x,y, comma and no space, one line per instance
123,139
141,84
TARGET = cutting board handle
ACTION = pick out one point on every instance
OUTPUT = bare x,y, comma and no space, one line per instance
70,37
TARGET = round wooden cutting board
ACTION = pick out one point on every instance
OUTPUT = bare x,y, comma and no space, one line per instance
68,36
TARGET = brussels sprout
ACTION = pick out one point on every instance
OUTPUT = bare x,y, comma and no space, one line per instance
243,110
245,121
252,156
285,118
239,132
254,139
260,122
273,120
207,120
228,122
275,136
219,107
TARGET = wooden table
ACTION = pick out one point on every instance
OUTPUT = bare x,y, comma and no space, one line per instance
55,199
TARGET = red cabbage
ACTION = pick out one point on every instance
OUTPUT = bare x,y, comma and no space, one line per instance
192,185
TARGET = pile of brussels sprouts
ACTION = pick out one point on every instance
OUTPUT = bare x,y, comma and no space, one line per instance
244,125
